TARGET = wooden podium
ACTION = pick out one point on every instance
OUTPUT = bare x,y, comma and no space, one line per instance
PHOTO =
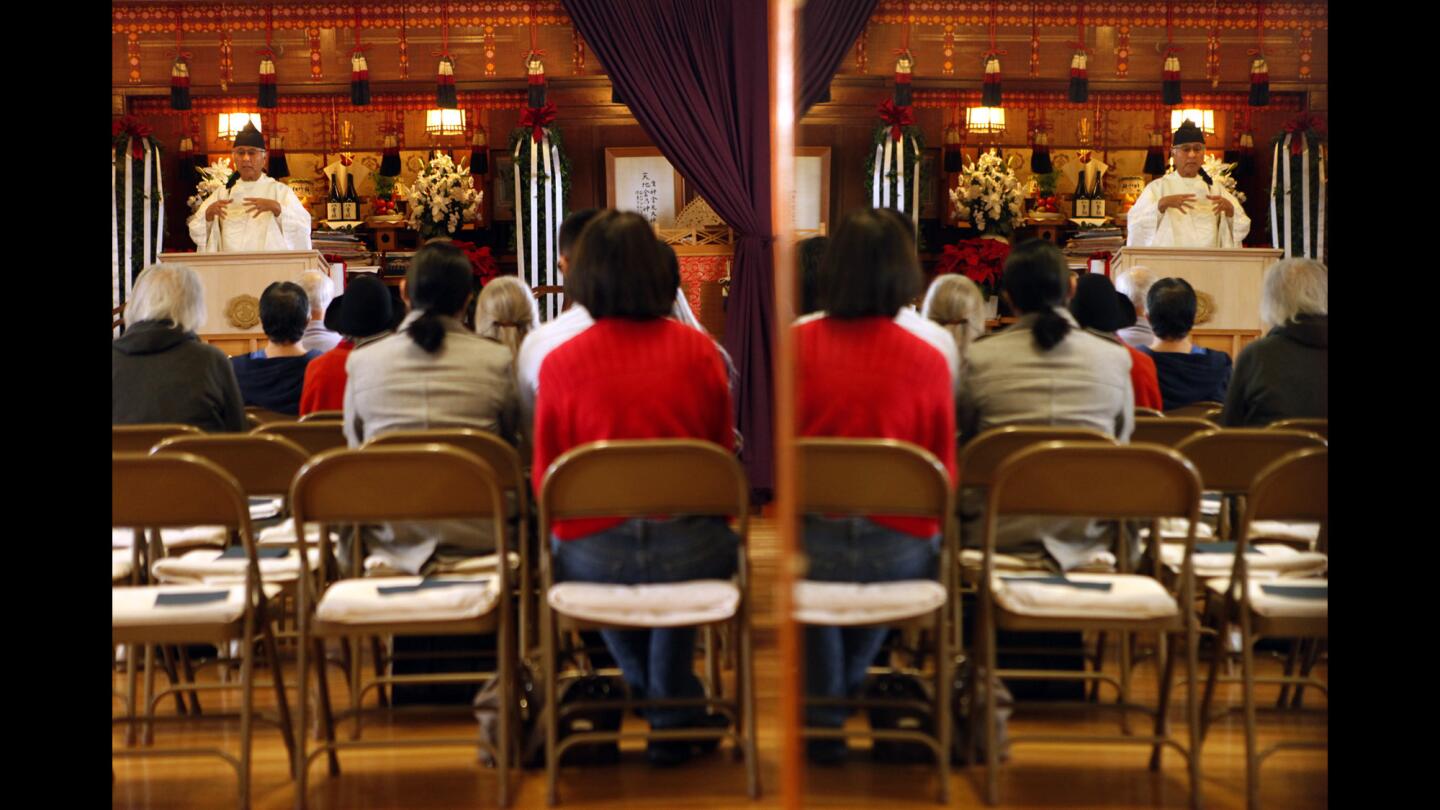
1228,277
228,276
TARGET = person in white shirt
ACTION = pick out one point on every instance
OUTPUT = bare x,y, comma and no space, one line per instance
1186,208
252,212
320,291
1135,285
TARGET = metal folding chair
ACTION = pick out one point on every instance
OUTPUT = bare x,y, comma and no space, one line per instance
316,435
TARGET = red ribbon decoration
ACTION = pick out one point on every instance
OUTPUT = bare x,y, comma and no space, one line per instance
1104,254
1300,125
896,117
137,130
537,118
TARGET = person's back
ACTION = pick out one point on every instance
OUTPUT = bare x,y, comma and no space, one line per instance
1187,373
1285,374
274,377
363,315
161,373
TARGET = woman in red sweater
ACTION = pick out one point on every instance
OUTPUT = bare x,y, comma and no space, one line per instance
862,376
363,315
636,374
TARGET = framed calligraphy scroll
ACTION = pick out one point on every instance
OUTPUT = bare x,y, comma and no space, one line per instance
812,188
640,179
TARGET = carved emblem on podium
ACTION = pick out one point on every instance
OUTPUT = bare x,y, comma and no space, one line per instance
1204,307
243,311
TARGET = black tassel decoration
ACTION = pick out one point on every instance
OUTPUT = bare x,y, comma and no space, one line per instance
904,67
1170,81
1245,158
479,153
953,161
1040,162
189,177
269,97
359,78
390,157
535,81
276,166
990,89
445,85
180,84
1079,78
1259,82
1155,155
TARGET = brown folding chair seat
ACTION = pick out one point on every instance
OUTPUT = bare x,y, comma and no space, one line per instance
638,479
1319,426
179,489
358,486
1205,409
888,477
326,416
1168,430
1105,482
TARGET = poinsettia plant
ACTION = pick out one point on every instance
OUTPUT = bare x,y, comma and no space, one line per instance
980,260
482,264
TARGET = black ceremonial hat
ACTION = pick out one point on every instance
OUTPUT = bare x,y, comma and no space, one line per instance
249,136
1187,133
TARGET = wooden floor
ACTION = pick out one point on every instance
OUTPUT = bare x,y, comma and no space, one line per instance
1039,775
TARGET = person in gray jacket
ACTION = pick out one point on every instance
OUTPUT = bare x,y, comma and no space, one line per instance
160,371
1285,375
432,373
1044,370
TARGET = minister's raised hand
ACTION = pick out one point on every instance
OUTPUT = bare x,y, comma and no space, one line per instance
260,205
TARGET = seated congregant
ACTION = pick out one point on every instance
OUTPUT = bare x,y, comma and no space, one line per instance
956,304
362,315
1097,306
1135,285
1043,370
431,373
506,312
636,374
1285,374
318,337
1187,373
863,375
809,252
160,371
274,376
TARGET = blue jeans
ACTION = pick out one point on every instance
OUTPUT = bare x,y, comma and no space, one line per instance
853,550
657,663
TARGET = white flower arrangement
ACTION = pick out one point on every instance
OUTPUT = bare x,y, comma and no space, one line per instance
442,197
989,196
1220,173
212,178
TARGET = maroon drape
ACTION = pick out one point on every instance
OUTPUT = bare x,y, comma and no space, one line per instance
828,29
696,77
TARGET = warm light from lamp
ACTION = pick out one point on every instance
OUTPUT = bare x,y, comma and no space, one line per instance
445,122
1204,119
232,123
985,119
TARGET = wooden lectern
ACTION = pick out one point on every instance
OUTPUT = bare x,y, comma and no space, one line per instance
231,276
1228,277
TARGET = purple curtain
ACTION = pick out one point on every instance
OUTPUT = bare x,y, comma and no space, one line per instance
696,77
828,29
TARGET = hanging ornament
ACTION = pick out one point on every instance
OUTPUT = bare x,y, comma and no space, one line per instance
180,84
359,69
445,85
535,78
1170,73
1079,65
1259,82
953,161
540,172
1040,162
990,86
277,166
904,68
268,95
390,157
479,152
188,176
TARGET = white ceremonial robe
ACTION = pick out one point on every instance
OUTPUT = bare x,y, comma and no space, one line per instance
1201,226
239,230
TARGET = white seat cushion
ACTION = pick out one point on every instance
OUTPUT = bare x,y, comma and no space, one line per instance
1210,504
209,565
1281,605
378,566
673,604
973,559
1129,596
136,607
120,564
283,534
854,603
1301,532
1178,528
1263,559
262,508
406,599
177,539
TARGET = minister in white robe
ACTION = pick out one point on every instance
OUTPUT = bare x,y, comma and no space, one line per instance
255,212
1185,208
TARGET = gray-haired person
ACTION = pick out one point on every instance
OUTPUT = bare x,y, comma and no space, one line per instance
1285,374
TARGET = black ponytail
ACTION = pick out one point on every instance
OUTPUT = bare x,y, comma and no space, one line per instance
1037,278
438,284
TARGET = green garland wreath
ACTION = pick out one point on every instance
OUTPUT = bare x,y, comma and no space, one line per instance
882,132
523,137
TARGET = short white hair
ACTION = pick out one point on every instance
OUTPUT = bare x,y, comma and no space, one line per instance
1135,284
318,289
956,303
167,292
1294,287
